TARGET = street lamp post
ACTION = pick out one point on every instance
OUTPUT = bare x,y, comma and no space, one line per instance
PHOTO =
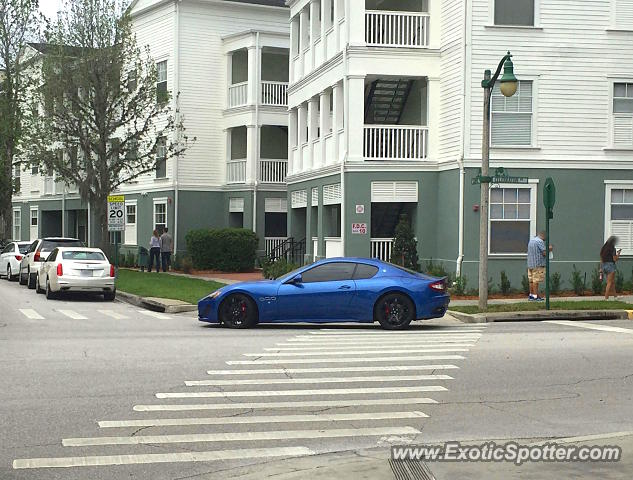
508,88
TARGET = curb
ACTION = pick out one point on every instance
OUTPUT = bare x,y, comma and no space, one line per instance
154,305
541,315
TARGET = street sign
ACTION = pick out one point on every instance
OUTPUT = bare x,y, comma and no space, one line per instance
500,176
359,228
360,209
549,199
116,213
549,193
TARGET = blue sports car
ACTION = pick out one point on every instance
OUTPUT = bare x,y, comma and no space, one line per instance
332,290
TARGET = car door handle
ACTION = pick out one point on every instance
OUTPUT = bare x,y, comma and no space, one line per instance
344,287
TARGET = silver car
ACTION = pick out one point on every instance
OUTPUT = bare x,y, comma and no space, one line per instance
73,269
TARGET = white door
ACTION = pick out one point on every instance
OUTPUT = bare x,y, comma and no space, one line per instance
35,220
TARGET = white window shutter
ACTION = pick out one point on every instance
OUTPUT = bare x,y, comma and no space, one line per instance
623,229
299,199
382,192
236,205
315,197
624,14
332,194
276,205
511,129
623,131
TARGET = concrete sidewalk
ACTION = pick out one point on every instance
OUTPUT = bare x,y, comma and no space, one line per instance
223,277
502,301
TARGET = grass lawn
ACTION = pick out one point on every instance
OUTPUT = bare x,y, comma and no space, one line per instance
532,306
164,285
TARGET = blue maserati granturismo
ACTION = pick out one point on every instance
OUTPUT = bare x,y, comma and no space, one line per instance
331,290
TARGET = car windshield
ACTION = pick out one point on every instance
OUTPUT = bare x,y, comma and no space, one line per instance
80,255
48,245
289,275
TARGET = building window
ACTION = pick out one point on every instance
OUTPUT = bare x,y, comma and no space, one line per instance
35,170
16,178
161,158
619,206
623,114
512,219
511,117
514,12
34,218
161,82
17,224
160,215
130,224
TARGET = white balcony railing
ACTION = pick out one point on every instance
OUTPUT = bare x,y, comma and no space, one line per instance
395,142
381,248
275,93
333,247
49,185
273,171
238,94
236,171
396,29
272,243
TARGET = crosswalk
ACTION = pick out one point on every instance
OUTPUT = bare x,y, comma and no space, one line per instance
44,314
310,394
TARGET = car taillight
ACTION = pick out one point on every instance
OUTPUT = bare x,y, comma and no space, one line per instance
36,257
18,257
112,270
60,270
438,286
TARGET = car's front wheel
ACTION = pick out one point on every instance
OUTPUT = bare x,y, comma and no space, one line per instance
31,279
394,311
22,278
49,293
38,286
238,311
9,274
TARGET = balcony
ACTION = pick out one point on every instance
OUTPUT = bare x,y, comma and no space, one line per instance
236,171
273,171
275,94
396,29
395,142
381,248
238,94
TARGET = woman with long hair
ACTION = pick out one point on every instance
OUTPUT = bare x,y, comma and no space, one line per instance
608,257
154,251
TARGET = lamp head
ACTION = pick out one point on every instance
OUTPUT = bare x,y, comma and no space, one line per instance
508,82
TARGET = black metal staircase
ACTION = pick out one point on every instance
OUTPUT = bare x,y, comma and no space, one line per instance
290,249
386,100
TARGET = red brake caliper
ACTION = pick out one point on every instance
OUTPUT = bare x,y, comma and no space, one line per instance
387,310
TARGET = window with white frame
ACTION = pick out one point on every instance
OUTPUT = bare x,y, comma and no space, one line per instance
514,12
623,114
511,117
161,82
34,218
130,223
160,215
17,224
16,178
619,215
161,158
512,218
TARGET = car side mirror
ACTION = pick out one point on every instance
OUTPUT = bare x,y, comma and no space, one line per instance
297,279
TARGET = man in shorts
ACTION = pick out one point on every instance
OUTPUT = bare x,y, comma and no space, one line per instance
536,265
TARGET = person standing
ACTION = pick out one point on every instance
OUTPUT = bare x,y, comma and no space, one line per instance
608,257
536,264
166,249
154,251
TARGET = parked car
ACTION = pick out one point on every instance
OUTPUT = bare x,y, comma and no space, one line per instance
11,257
72,269
36,255
332,290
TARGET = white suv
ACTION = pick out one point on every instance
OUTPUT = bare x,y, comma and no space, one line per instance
37,254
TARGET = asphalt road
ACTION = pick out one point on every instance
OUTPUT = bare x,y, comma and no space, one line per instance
276,391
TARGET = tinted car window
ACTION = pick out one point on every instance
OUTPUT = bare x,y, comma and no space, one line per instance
52,256
329,272
48,245
364,271
83,256
23,248
32,247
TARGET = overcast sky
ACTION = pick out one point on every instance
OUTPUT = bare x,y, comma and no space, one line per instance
50,7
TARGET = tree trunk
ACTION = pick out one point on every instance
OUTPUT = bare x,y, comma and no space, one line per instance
99,212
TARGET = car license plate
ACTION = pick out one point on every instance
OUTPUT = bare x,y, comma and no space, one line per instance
86,273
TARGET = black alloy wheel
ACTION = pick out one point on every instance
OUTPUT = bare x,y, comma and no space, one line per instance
394,311
238,311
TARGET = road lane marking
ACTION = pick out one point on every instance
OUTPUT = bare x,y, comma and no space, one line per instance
382,333
111,314
149,313
376,368
277,361
281,381
31,314
316,335
375,338
180,457
307,343
592,326
338,353
72,314
300,393
367,347
271,405
240,436
322,417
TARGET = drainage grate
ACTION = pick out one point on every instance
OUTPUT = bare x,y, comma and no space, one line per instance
410,470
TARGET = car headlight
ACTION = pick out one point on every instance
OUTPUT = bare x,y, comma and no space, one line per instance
215,294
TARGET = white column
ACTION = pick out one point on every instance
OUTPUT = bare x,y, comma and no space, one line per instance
324,126
304,40
252,153
292,140
432,115
355,120
294,32
253,81
337,118
355,20
315,30
313,115
325,19
302,124
337,32
229,76
227,157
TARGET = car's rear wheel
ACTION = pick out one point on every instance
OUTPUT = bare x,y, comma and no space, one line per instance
31,279
394,311
9,274
38,286
109,296
22,278
49,293
238,311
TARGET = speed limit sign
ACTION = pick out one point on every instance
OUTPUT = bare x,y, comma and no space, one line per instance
116,213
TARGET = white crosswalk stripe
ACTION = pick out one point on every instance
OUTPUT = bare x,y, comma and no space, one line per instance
337,366
149,313
31,314
72,314
111,314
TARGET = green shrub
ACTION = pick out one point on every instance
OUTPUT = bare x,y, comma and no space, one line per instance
504,284
276,269
405,247
459,285
596,282
186,264
176,262
435,269
577,283
525,284
227,249
130,259
555,283
619,281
